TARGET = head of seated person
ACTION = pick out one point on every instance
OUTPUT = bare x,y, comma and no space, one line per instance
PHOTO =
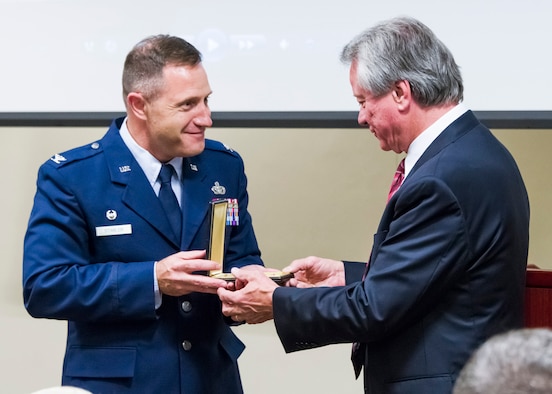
518,361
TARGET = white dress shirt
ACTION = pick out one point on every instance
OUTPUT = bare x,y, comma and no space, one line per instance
422,142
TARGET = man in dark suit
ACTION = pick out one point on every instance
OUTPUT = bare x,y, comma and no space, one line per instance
447,268
101,252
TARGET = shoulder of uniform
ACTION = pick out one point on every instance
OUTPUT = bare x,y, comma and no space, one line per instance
75,154
219,146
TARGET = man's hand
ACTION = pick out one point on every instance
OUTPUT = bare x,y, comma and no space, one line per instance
252,301
315,271
175,274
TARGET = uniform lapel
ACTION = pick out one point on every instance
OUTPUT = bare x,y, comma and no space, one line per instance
140,197
196,196
138,194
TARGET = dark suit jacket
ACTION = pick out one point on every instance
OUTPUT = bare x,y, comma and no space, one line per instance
447,270
94,233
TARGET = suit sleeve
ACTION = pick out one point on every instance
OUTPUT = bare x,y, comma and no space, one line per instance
414,259
353,271
59,279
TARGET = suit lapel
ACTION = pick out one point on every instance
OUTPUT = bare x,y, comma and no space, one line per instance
455,130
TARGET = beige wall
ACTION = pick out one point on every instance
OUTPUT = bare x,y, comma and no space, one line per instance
316,192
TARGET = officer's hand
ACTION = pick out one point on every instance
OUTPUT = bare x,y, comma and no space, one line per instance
176,277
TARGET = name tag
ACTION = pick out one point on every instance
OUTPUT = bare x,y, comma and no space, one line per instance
105,231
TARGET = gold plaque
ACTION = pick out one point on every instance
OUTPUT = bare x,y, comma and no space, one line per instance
219,209
218,227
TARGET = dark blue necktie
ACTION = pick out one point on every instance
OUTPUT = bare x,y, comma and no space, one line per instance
168,199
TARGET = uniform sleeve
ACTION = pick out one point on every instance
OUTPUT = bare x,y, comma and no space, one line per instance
59,279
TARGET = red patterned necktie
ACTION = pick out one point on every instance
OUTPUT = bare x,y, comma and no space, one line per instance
398,179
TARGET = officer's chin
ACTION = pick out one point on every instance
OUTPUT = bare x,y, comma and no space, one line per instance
193,148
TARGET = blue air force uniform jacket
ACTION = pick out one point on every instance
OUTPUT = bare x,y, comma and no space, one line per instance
94,234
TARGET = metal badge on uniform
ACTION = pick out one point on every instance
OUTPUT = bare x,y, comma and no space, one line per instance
57,158
218,189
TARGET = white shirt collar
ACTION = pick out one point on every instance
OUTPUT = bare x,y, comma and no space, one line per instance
422,142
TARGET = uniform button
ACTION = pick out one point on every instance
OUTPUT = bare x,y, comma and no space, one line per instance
186,306
186,345
95,145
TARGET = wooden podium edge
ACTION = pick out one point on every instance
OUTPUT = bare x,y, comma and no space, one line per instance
538,278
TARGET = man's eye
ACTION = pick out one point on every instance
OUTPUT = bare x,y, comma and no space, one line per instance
187,105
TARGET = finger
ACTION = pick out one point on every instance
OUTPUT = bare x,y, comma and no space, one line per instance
192,254
205,284
228,310
226,297
197,265
304,285
295,265
247,275
292,282
239,284
289,268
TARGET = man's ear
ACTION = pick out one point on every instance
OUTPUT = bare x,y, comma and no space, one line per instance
137,104
401,93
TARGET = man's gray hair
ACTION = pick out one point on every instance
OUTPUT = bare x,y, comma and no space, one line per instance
403,48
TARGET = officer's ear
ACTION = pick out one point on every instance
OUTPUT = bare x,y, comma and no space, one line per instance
136,104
